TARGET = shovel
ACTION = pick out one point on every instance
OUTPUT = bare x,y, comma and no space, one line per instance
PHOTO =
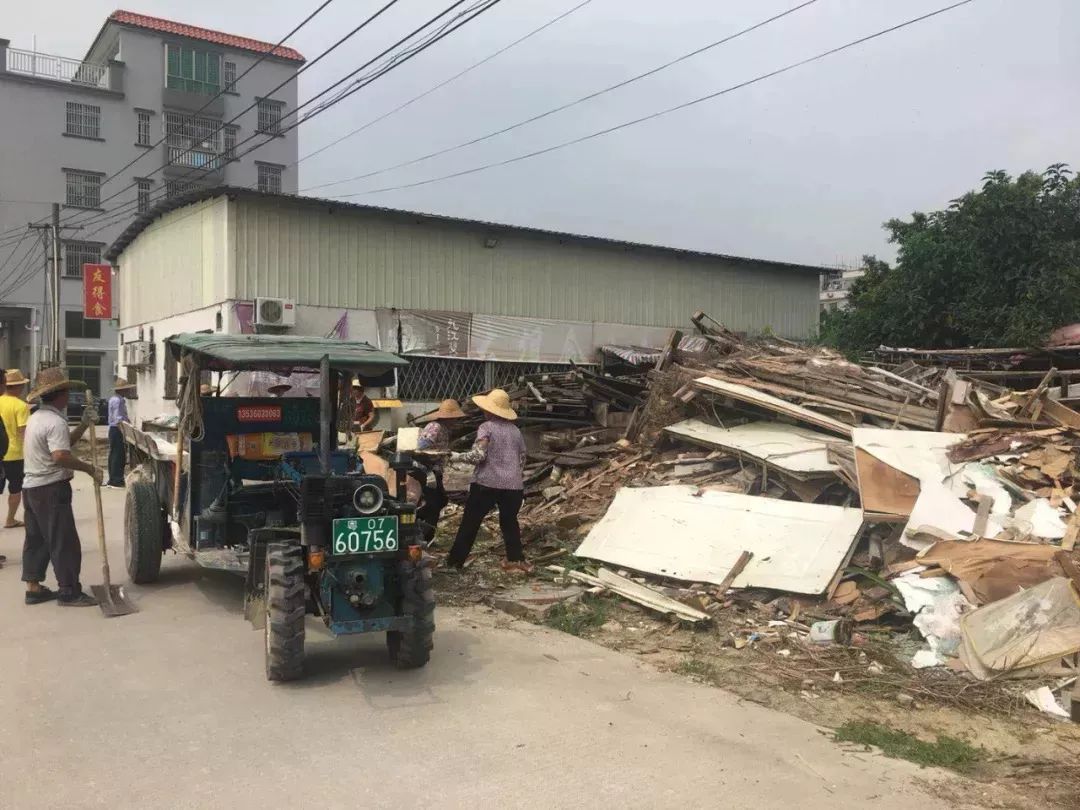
110,597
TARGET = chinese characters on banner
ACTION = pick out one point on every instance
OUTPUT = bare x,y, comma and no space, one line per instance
97,291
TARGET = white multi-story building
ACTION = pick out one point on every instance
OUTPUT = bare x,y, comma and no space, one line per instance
162,91
836,287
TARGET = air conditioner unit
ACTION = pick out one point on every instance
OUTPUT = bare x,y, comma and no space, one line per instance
138,353
275,312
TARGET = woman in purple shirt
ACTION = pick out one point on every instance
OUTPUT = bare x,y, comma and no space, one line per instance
499,456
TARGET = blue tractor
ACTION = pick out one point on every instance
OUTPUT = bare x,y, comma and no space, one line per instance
257,486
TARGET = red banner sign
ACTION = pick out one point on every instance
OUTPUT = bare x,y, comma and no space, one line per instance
97,291
258,413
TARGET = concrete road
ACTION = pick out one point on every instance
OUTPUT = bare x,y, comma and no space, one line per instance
169,709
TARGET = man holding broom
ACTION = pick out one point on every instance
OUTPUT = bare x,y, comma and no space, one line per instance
50,522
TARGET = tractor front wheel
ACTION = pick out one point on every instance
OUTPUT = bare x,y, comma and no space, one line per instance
286,605
411,648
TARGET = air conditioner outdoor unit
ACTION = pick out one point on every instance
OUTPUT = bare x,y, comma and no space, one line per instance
275,312
138,353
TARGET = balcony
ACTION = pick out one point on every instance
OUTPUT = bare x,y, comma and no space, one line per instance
60,68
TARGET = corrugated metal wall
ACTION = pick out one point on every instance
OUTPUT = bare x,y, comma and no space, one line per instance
178,264
353,258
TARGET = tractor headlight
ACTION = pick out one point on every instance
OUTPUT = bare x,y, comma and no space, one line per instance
367,499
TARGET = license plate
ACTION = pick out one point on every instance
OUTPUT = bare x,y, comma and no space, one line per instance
371,535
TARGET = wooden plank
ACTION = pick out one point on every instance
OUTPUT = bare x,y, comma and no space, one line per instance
752,396
1072,531
736,569
635,592
664,360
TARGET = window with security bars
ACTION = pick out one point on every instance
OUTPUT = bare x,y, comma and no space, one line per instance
270,178
192,70
228,75
270,116
174,188
85,367
431,379
83,189
144,188
229,143
76,254
192,140
142,128
83,120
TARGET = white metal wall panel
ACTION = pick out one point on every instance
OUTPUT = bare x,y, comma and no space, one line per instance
357,259
176,265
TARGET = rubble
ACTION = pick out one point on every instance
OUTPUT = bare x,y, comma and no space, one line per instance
773,486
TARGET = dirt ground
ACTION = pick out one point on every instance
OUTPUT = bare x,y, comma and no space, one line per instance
1025,756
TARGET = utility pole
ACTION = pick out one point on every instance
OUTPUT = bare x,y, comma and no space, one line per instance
52,346
58,350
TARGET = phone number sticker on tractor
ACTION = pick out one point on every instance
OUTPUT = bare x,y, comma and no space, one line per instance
258,413
364,535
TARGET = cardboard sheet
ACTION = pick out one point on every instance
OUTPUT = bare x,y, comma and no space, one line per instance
793,450
671,532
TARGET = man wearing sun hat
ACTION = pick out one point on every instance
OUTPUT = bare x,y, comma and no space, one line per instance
51,535
118,414
499,456
14,413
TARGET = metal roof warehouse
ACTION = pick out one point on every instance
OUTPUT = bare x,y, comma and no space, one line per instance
431,285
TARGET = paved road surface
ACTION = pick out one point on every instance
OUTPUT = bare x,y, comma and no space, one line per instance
169,709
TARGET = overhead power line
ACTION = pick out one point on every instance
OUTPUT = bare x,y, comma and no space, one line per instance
395,61
667,111
292,78
568,105
443,83
465,17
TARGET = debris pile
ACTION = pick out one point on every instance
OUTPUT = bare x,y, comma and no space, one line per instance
846,500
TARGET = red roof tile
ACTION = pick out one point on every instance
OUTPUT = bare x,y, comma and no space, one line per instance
205,34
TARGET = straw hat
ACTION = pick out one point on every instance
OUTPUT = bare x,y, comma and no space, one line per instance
449,409
357,384
121,384
279,388
497,402
13,377
53,379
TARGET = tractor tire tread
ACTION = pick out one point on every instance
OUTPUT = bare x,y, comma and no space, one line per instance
286,601
411,649
143,531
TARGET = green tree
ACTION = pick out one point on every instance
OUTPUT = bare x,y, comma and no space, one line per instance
999,267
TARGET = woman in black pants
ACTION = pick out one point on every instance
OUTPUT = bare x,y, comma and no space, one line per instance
499,456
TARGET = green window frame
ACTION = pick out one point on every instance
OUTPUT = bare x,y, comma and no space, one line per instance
192,70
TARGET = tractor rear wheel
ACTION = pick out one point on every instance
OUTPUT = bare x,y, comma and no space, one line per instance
144,533
411,649
286,605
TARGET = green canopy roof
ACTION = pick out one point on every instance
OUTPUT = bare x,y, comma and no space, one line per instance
282,353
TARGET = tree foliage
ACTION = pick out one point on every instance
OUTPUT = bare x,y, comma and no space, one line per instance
999,267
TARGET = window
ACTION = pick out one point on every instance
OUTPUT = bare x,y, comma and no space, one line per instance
76,326
192,70
83,188
142,128
144,186
86,367
270,178
270,116
174,188
228,71
83,120
229,134
76,254
193,141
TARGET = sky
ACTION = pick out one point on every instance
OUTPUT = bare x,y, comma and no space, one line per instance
803,167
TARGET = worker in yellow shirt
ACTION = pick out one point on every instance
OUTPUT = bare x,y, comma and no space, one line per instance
14,413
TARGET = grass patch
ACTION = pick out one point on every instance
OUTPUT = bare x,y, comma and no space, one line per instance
698,670
578,618
946,752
